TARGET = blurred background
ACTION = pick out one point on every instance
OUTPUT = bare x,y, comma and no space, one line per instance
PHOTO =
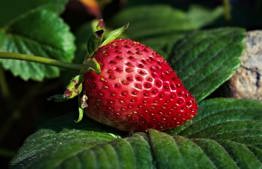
24,105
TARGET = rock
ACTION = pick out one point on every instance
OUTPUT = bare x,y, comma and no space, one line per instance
247,81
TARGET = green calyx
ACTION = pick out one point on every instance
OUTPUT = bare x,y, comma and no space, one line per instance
114,34
73,89
99,38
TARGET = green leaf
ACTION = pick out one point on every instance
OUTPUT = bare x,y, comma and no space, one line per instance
226,132
229,118
196,15
215,139
11,10
206,59
147,21
40,33
62,143
160,25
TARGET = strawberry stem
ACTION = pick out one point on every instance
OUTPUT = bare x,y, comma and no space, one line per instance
3,84
39,59
227,9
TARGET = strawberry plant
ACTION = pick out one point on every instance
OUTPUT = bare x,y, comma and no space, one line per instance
145,94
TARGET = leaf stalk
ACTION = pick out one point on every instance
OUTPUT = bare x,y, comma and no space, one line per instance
39,59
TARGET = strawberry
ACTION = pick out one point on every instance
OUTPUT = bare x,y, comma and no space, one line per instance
136,89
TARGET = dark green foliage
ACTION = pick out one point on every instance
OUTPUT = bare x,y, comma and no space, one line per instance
161,25
225,134
12,10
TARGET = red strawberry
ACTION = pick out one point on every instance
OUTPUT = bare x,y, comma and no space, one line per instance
136,89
